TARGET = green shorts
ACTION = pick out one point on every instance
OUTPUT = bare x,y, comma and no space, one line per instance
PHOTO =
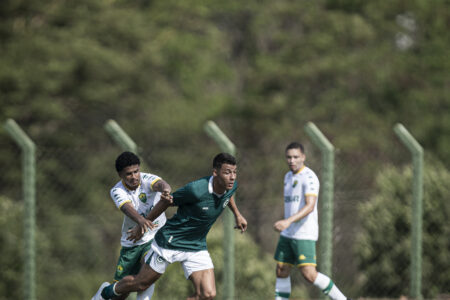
130,260
296,252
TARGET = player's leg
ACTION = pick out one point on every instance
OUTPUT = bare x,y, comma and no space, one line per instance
283,282
306,255
155,265
198,267
285,259
132,283
204,285
147,294
323,282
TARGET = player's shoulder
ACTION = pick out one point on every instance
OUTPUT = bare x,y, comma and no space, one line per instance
199,184
310,173
149,177
288,174
118,186
118,189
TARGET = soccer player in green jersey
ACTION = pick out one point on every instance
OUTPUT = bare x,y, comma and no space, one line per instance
299,229
135,195
183,238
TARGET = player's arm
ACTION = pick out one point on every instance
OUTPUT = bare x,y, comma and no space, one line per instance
134,234
162,186
241,222
303,212
142,223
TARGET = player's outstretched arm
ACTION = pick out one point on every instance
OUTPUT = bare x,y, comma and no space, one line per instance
162,186
241,222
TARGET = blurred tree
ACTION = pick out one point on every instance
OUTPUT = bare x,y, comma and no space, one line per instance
384,243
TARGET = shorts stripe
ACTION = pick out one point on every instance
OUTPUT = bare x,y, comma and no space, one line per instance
306,264
283,263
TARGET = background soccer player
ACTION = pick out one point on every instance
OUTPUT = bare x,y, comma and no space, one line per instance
300,228
135,195
183,238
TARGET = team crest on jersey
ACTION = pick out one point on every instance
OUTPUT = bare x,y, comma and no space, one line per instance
160,259
295,183
143,197
226,203
119,269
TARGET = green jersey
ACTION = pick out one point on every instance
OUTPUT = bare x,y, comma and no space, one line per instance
198,209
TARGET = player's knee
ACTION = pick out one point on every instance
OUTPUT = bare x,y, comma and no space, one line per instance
282,271
309,273
208,294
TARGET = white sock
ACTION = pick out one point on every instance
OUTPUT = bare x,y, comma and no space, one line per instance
283,288
147,294
327,286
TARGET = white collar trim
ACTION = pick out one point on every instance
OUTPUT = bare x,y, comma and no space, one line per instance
211,189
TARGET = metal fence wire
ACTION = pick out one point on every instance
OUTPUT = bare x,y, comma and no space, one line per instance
78,226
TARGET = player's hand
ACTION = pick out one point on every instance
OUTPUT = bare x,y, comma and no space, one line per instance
241,223
135,234
281,225
167,197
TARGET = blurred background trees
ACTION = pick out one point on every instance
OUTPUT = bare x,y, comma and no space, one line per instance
260,69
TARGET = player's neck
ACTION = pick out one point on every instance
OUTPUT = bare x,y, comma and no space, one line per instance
298,170
217,188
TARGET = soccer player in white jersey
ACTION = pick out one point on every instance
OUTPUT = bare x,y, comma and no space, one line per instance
135,195
299,228
183,238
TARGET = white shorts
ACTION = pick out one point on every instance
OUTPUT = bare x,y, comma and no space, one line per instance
159,259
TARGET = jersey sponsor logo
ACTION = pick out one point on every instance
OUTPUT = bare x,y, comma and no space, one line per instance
205,208
291,199
302,257
143,197
295,183
226,203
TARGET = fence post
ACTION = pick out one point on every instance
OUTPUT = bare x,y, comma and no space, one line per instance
120,136
416,240
326,198
227,146
29,194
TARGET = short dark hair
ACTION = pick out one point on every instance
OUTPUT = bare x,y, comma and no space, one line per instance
295,145
126,159
223,158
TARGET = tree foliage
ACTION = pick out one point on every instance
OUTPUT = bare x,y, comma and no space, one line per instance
384,244
260,69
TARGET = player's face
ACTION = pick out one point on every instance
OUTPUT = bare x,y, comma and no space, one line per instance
225,177
295,159
131,176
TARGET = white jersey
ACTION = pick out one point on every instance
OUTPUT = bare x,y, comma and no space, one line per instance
143,200
296,188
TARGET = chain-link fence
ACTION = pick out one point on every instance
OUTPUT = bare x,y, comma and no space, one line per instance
78,227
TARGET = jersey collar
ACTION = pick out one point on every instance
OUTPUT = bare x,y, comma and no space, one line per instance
298,172
211,189
125,186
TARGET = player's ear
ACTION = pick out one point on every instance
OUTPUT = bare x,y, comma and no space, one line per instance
215,173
